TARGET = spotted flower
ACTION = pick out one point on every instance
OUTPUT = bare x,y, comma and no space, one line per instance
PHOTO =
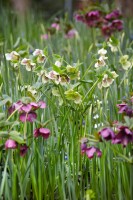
13,56
29,65
39,55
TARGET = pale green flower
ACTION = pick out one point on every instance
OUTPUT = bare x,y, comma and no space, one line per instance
124,62
73,72
56,93
74,96
113,46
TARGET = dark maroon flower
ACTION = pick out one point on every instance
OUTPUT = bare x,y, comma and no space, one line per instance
113,15
31,116
117,25
91,151
23,150
93,18
107,30
107,133
44,132
14,107
11,144
124,136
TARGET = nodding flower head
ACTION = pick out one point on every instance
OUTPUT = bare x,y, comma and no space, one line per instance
44,132
11,144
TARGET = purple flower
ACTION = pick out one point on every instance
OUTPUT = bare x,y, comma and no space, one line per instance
113,15
91,151
44,132
124,108
117,25
107,30
124,136
31,116
93,18
71,33
107,134
56,26
83,145
11,144
79,17
23,150
26,108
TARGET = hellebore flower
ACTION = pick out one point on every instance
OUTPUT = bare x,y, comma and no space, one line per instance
100,63
56,26
91,151
107,134
45,36
73,95
44,132
117,24
107,30
124,108
93,18
13,56
40,55
83,145
11,144
124,136
23,150
31,116
29,65
124,62
71,33
113,15
79,18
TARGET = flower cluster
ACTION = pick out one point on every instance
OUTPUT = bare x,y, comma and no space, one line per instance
56,27
108,23
38,57
27,113
123,133
26,110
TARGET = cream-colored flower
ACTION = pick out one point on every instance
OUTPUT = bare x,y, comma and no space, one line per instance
126,64
13,56
29,65
100,62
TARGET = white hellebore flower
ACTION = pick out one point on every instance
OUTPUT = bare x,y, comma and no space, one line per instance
40,55
100,62
102,52
29,65
58,63
13,56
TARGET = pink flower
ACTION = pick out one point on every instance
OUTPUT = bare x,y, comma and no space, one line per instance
45,36
79,17
56,26
71,33
113,15
124,136
91,151
107,133
11,144
23,150
31,116
44,132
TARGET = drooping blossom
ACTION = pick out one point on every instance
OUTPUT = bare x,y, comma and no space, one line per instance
72,33
83,145
124,136
44,132
13,56
45,36
124,108
29,65
11,144
23,150
79,17
107,133
124,61
31,116
117,25
38,53
93,18
91,151
113,15
56,26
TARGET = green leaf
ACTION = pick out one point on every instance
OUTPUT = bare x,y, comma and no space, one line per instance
14,135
